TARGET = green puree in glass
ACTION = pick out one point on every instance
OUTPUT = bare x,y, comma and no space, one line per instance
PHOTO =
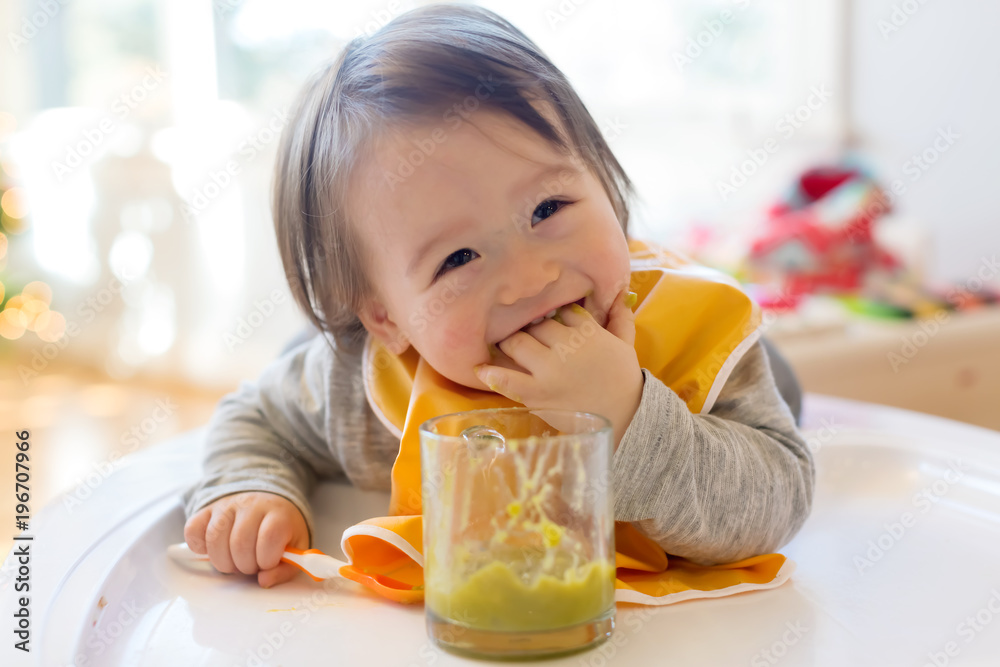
494,597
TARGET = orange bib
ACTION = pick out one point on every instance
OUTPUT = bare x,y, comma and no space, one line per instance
693,324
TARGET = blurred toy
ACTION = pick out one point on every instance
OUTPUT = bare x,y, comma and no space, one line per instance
818,238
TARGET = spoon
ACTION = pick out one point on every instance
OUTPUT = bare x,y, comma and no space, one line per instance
319,566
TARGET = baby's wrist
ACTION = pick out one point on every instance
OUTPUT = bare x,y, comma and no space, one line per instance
631,399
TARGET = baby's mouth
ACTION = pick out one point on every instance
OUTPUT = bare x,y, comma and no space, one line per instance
553,313
499,358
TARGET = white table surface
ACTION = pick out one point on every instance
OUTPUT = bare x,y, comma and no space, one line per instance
898,564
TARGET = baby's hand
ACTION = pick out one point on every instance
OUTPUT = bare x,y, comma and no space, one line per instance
574,364
248,532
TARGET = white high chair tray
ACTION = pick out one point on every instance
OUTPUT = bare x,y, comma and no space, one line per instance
899,563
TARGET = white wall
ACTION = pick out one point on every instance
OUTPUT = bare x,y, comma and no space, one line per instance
940,69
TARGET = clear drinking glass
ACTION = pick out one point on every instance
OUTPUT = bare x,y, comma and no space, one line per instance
519,556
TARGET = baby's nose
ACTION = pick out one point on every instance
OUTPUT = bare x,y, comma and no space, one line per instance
526,277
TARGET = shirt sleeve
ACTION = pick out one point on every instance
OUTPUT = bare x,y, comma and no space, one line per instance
719,487
272,435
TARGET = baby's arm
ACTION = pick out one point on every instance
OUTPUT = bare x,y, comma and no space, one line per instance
264,447
720,487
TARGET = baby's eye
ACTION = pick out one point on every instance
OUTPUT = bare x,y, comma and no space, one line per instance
546,208
447,266
549,205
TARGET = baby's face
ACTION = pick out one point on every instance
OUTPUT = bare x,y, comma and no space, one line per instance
475,231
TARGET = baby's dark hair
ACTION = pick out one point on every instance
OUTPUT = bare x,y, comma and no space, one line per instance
416,68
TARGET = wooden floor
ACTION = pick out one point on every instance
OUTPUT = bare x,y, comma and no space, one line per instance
79,420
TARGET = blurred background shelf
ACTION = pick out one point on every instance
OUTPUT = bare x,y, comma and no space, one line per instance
953,372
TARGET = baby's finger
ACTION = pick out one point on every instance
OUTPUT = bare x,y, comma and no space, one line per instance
217,539
500,380
574,315
274,535
276,575
194,530
621,318
526,349
243,541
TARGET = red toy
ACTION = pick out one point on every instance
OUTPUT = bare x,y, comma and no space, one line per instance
818,238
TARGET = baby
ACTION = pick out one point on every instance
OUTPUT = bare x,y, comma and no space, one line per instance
441,186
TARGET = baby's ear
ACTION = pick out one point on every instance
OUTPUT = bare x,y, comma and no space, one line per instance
376,320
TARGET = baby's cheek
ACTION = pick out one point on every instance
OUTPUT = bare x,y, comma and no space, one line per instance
459,340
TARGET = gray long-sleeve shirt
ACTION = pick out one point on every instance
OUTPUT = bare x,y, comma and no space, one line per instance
712,488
